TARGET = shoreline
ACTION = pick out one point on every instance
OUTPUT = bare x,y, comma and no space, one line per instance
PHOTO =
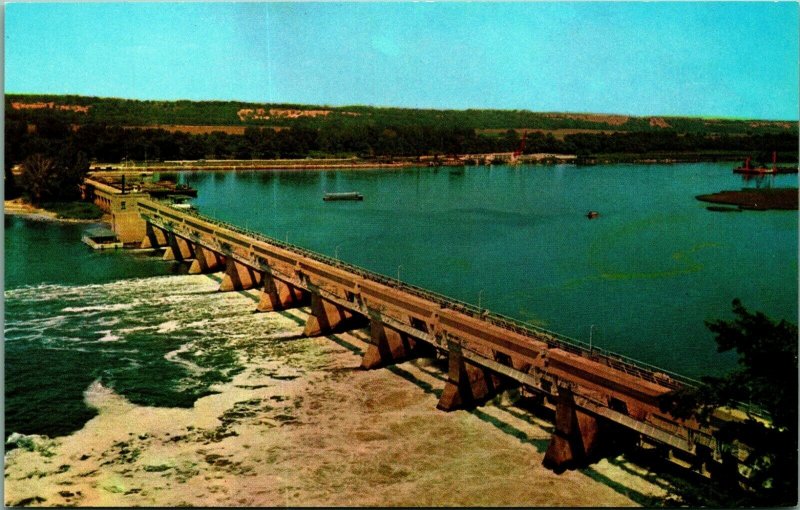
302,425
18,207
544,159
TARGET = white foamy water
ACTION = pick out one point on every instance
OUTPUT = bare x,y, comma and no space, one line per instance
172,328
184,307
108,336
108,321
98,308
125,331
99,396
168,326
174,357
33,323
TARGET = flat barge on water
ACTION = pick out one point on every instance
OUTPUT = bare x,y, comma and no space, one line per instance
101,238
350,195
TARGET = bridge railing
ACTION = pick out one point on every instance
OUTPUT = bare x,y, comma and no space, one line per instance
618,361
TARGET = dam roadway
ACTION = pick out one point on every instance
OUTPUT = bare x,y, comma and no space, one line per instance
598,397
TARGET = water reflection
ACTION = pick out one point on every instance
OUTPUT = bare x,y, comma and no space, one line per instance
297,178
758,180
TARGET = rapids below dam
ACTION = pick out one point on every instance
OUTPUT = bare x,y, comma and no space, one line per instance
638,280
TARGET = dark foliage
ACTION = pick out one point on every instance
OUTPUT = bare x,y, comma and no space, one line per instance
114,129
10,188
55,177
114,144
767,377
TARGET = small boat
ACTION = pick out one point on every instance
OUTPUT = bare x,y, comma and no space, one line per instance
181,202
754,171
592,215
762,170
350,195
101,238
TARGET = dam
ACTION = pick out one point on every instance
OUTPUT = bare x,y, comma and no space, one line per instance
596,395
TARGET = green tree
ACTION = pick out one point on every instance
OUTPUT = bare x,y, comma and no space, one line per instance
767,376
54,178
73,166
38,177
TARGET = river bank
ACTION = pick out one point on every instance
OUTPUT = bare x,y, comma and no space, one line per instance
302,425
661,157
20,207
236,165
405,162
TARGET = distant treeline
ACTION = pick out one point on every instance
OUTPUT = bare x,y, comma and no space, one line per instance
125,112
113,144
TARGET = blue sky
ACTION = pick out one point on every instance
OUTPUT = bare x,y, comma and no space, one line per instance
737,59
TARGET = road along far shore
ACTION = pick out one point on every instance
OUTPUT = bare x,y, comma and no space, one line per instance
303,425
222,165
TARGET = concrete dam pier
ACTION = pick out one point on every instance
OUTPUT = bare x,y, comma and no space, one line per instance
597,397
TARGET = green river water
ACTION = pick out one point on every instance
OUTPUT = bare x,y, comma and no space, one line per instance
643,276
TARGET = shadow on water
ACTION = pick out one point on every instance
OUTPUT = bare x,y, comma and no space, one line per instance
526,410
347,345
634,495
249,294
300,321
509,429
